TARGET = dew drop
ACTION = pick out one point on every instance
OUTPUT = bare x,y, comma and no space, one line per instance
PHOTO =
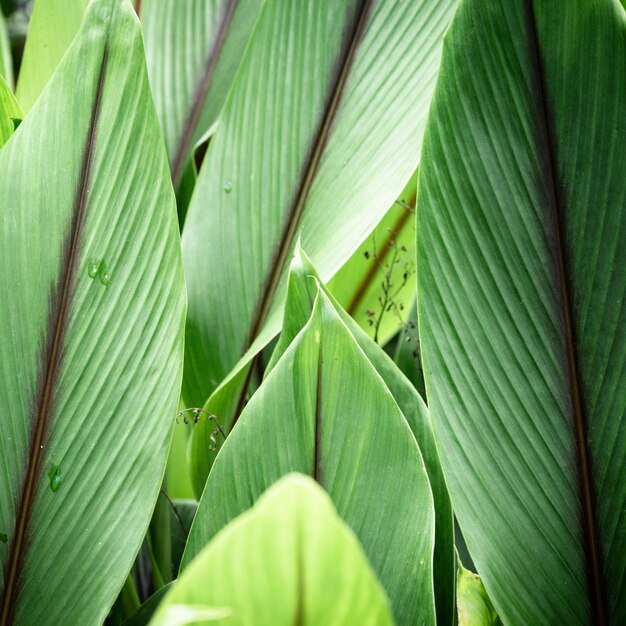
3,538
54,474
103,274
92,268
228,187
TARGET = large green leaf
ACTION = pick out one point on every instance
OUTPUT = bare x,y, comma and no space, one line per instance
289,560
522,219
92,328
324,410
327,111
53,26
10,112
6,60
193,50
377,284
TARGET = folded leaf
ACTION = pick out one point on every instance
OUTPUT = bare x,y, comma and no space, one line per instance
10,112
324,411
521,223
53,26
473,603
193,50
319,135
288,560
92,328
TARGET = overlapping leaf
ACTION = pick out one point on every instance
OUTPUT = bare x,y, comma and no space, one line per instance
289,560
92,328
320,134
521,224
10,112
324,410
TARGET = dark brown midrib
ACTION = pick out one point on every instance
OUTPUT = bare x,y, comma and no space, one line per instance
294,216
368,279
49,376
198,102
296,211
589,520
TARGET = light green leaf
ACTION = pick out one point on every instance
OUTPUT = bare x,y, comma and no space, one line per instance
10,112
6,60
193,50
327,111
53,26
92,328
324,411
181,614
377,284
473,603
521,224
288,560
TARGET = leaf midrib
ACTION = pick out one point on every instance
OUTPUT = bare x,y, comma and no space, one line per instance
199,98
58,322
557,209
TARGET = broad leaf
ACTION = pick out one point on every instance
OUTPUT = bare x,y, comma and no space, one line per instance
288,560
324,411
377,284
10,112
473,604
53,26
193,49
92,328
319,135
6,60
521,224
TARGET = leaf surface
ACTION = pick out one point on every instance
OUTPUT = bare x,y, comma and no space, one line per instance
324,411
521,224
6,60
92,328
318,118
10,112
289,560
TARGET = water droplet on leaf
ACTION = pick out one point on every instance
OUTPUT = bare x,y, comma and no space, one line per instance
54,474
228,187
92,268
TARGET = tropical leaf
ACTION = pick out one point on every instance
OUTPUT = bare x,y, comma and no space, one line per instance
193,50
53,26
318,118
407,353
473,603
522,216
324,410
6,60
10,112
377,284
288,560
92,328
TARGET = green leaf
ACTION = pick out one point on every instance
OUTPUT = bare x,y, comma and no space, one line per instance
193,50
53,26
377,284
324,411
10,113
407,353
522,219
144,613
6,60
473,603
288,560
327,111
92,328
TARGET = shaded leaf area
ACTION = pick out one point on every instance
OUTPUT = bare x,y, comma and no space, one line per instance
407,352
53,25
521,219
193,49
6,60
91,362
10,112
324,410
289,560
318,118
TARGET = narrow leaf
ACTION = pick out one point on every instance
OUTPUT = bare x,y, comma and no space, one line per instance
10,112
6,60
91,333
